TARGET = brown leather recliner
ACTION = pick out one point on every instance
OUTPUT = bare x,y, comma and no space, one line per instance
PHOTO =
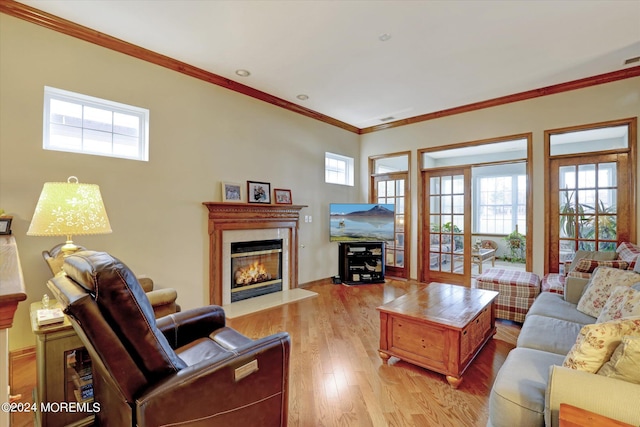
163,301
185,369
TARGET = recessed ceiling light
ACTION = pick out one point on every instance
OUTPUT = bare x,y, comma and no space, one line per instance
384,37
302,97
243,73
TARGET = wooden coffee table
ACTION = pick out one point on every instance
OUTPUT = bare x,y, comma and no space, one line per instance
441,327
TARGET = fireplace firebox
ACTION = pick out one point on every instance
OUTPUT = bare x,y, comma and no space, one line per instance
256,268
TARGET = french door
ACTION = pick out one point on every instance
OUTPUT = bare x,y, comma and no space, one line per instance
392,188
590,205
447,226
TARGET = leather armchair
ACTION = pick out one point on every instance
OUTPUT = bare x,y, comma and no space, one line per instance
186,369
163,301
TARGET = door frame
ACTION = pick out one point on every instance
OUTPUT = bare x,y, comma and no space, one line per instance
406,273
529,195
630,174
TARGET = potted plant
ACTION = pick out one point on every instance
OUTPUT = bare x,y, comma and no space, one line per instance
516,242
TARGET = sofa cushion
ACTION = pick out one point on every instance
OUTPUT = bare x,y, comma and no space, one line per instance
535,334
623,302
602,282
554,305
518,392
625,361
596,343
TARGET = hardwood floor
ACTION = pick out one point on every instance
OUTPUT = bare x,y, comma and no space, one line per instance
336,375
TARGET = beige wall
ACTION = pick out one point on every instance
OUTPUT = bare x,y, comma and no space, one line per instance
200,135
611,101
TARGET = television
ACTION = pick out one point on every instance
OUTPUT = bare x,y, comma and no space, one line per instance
361,222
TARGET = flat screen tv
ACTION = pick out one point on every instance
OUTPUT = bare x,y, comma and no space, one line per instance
361,222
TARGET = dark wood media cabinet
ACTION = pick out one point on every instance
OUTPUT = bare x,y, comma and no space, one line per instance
361,262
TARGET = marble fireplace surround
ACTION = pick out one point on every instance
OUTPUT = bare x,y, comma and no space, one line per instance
252,221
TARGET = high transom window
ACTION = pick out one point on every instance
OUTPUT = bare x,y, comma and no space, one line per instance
84,124
338,169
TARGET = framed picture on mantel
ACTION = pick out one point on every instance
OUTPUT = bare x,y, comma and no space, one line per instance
282,196
231,192
258,192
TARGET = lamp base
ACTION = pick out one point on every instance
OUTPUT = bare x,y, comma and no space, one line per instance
68,248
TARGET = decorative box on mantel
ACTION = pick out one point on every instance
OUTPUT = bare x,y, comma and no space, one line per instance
244,219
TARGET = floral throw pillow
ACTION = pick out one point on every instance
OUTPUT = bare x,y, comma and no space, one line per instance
600,286
625,361
623,302
597,342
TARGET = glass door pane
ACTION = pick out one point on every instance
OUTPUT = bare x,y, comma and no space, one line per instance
446,206
391,189
587,208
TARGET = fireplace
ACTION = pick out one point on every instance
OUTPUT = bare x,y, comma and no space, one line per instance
256,268
231,223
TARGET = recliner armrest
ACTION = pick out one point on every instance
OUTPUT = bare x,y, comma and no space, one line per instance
184,327
249,387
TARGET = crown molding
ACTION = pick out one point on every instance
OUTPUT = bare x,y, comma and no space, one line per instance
522,96
55,23
52,22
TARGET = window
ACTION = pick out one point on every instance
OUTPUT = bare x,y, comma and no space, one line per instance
84,124
338,169
500,199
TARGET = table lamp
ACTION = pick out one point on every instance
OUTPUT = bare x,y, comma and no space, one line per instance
67,209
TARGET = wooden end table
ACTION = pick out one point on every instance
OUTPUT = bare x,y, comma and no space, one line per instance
481,255
478,256
441,327
572,416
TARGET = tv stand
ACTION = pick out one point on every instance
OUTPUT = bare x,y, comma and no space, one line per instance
361,262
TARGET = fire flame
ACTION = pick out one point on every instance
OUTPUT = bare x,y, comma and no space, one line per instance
254,273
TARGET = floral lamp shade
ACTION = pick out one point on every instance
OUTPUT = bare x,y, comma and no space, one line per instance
69,208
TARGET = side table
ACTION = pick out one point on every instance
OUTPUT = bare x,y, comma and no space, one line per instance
63,373
572,416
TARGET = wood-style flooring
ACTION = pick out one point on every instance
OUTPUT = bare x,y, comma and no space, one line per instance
336,375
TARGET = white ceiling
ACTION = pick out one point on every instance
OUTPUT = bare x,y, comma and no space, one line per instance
441,54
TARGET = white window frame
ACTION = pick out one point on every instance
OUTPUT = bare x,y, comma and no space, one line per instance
142,114
513,203
338,169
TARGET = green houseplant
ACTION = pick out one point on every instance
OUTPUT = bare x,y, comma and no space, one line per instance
578,220
516,242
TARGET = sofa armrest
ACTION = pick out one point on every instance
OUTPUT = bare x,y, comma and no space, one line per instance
247,386
163,301
186,326
613,398
573,288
